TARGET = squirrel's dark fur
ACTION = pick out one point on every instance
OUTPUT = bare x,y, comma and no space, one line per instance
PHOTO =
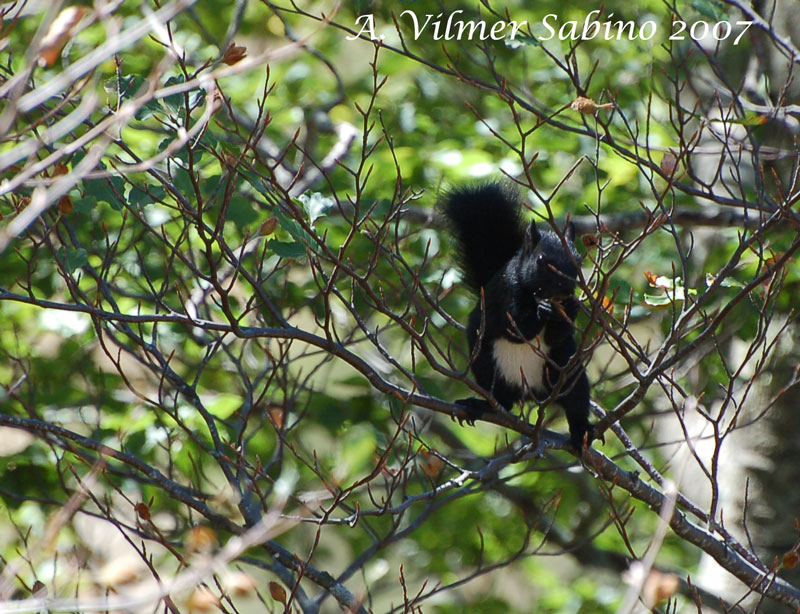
525,330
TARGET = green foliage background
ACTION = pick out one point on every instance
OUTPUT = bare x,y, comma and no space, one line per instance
427,128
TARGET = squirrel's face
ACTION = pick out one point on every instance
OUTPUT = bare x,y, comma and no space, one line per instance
557,275
547,267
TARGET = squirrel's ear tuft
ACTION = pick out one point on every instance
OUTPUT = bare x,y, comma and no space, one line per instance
532,237
569,232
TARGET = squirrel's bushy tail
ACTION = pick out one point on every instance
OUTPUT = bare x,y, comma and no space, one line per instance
486,222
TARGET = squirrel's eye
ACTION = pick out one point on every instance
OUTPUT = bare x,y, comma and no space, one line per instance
540,258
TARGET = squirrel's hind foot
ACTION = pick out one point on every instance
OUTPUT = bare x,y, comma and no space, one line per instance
587,435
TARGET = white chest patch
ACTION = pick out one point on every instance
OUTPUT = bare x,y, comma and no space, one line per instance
521,364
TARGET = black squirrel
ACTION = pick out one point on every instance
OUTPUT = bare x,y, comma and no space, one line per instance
524,333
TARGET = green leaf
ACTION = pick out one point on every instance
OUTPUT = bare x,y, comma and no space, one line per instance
287,250
361,6
677,293
315,205
197,98
125,86
183,183
522,40
72,258
139,198
211,188
294,229
241,212
256,183
711,9
181,154
657,300
174,102
728,282
148,109
209,140
84,205
103,190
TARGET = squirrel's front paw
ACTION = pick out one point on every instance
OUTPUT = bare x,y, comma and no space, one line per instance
545,310
472,409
